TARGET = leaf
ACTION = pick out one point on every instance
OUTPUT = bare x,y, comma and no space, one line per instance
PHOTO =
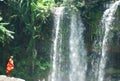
3,24
41,67
7,32
1,18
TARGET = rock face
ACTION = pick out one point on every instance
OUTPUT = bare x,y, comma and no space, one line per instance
5,78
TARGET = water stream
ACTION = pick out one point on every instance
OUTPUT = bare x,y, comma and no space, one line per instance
68,54
56,57
78,53
68,65
107,20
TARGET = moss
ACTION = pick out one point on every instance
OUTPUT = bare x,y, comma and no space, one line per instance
112,71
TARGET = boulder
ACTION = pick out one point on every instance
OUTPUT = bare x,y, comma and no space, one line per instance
5,78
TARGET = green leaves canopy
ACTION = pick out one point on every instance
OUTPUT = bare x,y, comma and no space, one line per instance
41,8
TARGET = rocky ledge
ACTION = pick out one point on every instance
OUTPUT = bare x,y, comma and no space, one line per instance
5,78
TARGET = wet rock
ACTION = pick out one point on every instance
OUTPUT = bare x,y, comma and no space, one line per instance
5,78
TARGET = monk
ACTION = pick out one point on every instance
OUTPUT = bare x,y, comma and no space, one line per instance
10,66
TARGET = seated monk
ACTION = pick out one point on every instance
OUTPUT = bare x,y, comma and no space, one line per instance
10,66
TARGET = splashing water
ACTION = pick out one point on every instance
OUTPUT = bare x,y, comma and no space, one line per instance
77,51
55,75
71,67
107,20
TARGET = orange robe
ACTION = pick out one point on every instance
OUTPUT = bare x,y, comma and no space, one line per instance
10,66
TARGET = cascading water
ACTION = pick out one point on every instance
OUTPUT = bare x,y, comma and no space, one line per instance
56,57
77,50
69,54
107,20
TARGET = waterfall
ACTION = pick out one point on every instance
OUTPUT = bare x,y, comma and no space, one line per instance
77,50
68,49
56,57
106,21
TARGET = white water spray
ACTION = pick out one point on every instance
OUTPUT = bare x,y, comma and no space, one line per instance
78,53
107,20
55,75
69,65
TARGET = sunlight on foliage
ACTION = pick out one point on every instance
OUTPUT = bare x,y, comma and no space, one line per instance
41,8
5,32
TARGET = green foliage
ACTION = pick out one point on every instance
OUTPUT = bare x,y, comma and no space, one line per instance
27,19
5,34
30,19
1,18
41,9
112,71
73,3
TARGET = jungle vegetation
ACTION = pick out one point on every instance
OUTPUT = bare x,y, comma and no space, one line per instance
25,32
